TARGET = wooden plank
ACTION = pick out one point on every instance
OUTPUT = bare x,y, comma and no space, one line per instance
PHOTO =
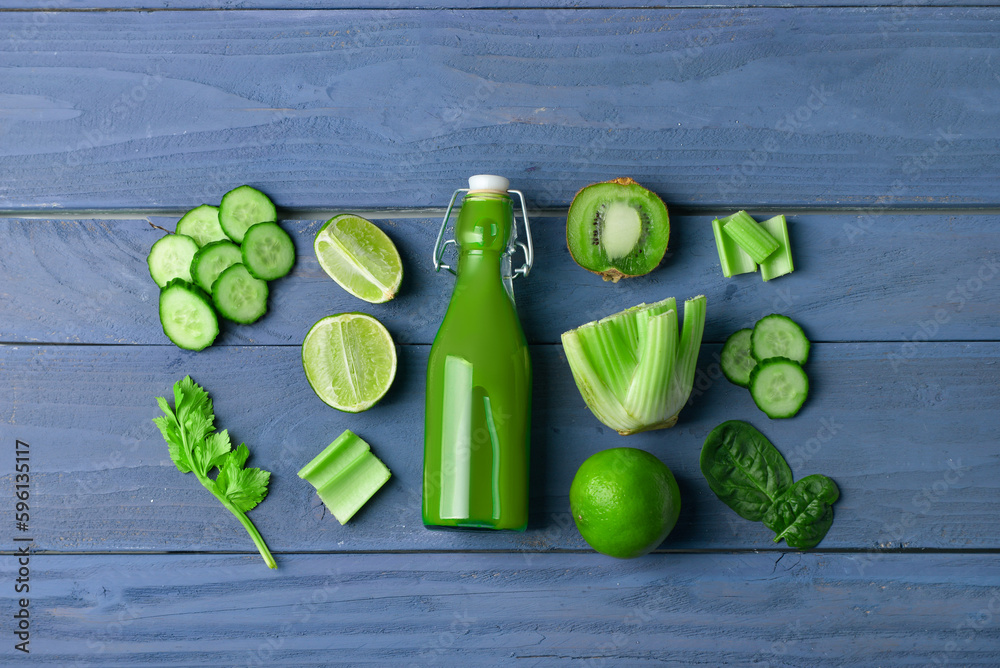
552,5
827,107
858,278
911,445
486,610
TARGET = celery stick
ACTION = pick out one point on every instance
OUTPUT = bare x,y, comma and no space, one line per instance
334,459
634,315
611,355
595,388
612,345
633,369
647,394
351,488
692,332
733,259
624,324
750,236
780,263
668,304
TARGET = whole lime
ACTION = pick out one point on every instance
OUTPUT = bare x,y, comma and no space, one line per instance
624,502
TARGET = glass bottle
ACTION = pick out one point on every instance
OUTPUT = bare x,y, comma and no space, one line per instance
479,373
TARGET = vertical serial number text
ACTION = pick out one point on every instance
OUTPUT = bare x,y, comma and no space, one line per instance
22,544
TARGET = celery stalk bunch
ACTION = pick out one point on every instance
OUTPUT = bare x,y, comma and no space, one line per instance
634,369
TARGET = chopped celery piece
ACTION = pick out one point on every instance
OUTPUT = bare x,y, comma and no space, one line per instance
599,386
695,310
647,394
668,304
733,259
608,349
346,474
348,491
780,263
334,459
634,370
750,236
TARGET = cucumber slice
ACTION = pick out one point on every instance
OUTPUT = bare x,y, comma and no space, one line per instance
268,251
779,387
170,258
737,360
239,296
779,336
780,263
187,316
202,224
243,207
213,259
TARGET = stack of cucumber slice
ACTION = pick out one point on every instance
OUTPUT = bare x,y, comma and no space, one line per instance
219,261
768,361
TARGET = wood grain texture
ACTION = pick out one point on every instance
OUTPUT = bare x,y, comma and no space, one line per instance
858,278
715,108
62,5
773,107
912,450
486,610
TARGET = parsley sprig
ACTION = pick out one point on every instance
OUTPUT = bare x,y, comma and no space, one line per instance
196,447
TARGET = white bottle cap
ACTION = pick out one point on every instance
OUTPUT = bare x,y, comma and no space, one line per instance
488,182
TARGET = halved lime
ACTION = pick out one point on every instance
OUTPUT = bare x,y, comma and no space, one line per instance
360,257
350,361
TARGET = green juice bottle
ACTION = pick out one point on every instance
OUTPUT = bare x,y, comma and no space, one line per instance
479,373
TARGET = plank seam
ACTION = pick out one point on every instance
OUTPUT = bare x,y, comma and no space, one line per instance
556,551
311,214
65,344
903,4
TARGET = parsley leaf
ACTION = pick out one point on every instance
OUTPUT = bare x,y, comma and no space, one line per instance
195,446
244,488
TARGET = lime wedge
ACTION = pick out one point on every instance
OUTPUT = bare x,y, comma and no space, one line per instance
350,361
360,257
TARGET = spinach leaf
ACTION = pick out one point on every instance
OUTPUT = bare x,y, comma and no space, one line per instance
743,469
803,515
750,476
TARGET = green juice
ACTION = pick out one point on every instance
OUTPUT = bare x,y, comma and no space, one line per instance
478,384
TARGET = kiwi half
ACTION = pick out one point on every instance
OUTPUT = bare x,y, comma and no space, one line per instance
617,229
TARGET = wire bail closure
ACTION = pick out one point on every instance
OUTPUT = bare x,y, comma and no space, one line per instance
529,249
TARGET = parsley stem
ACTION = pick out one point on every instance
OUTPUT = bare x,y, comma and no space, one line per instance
258,540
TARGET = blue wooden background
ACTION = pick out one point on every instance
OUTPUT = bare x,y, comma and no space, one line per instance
875,128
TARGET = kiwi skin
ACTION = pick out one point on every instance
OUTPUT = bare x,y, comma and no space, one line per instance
612,273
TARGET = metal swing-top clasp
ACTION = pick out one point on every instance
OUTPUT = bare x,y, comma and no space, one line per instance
496,184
